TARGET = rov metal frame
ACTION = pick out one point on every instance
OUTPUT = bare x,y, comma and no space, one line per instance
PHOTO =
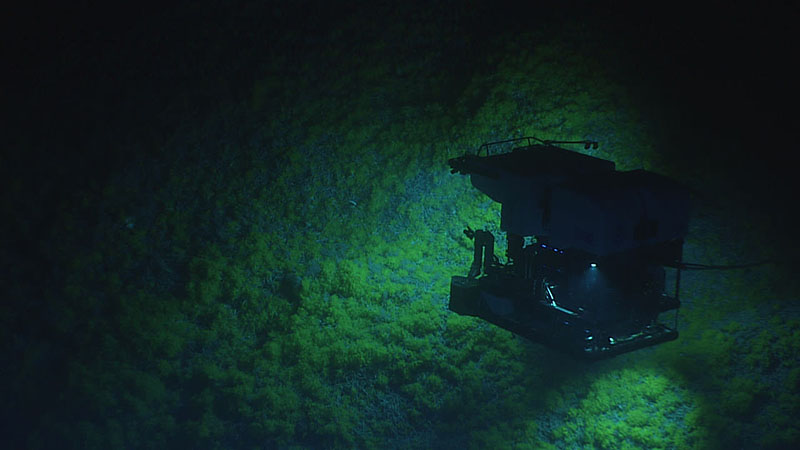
494,298
486,145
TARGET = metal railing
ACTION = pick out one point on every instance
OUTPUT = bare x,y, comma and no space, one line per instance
529,139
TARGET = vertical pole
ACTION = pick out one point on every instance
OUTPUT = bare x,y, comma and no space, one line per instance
678,282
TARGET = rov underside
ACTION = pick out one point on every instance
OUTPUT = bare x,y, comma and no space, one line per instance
587,250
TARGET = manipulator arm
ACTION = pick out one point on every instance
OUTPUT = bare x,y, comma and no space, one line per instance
472,164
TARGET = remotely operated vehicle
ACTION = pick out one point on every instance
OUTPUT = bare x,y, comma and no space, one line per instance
588,251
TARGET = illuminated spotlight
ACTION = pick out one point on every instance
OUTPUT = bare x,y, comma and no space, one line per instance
593,265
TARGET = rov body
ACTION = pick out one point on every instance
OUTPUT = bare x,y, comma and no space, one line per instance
588,249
